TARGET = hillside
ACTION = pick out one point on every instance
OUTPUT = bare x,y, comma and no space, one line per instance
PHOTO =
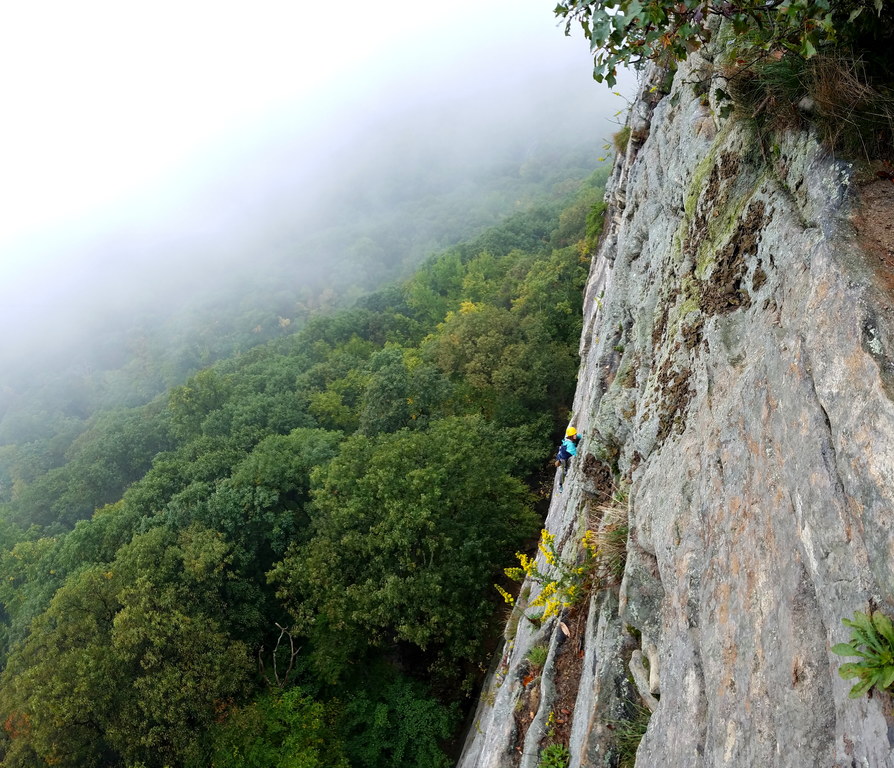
288,559
122,313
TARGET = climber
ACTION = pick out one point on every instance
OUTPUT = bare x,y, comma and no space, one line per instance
567,450
571,441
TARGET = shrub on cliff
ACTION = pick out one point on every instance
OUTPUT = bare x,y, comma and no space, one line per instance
631,32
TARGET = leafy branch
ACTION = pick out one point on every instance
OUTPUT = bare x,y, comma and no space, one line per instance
632,32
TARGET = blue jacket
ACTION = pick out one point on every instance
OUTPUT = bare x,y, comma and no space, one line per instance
569,446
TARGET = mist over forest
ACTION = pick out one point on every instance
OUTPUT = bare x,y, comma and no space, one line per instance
269,290
300,216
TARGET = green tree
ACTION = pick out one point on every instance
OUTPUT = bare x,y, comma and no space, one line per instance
185,671
387,720
504,364
129,659
386,402
190,404
471,345
261,506
61,689
432,290
281,729
408,530
482,281
402,392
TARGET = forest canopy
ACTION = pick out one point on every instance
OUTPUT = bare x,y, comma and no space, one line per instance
287,560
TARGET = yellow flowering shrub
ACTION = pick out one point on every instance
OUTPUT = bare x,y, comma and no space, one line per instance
561,584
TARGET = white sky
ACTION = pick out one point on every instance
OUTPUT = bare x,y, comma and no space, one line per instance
140,139
104,99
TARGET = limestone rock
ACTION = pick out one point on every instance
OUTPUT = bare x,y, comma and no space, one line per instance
738,373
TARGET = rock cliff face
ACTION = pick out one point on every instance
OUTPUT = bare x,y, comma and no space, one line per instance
737,386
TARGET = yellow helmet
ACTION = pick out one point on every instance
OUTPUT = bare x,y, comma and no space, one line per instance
570,432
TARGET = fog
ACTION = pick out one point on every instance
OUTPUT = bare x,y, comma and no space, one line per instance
157,154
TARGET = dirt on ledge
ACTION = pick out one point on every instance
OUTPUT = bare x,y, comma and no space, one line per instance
874,222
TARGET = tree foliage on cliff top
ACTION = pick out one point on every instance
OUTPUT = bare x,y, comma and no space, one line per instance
631,32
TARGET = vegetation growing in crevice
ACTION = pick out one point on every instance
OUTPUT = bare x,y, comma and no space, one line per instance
594,226
628,732
600,567
621,138
554,756
837,93
524,712
567,582
537,655
609,531
872,641
596,561
560,580
566,672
